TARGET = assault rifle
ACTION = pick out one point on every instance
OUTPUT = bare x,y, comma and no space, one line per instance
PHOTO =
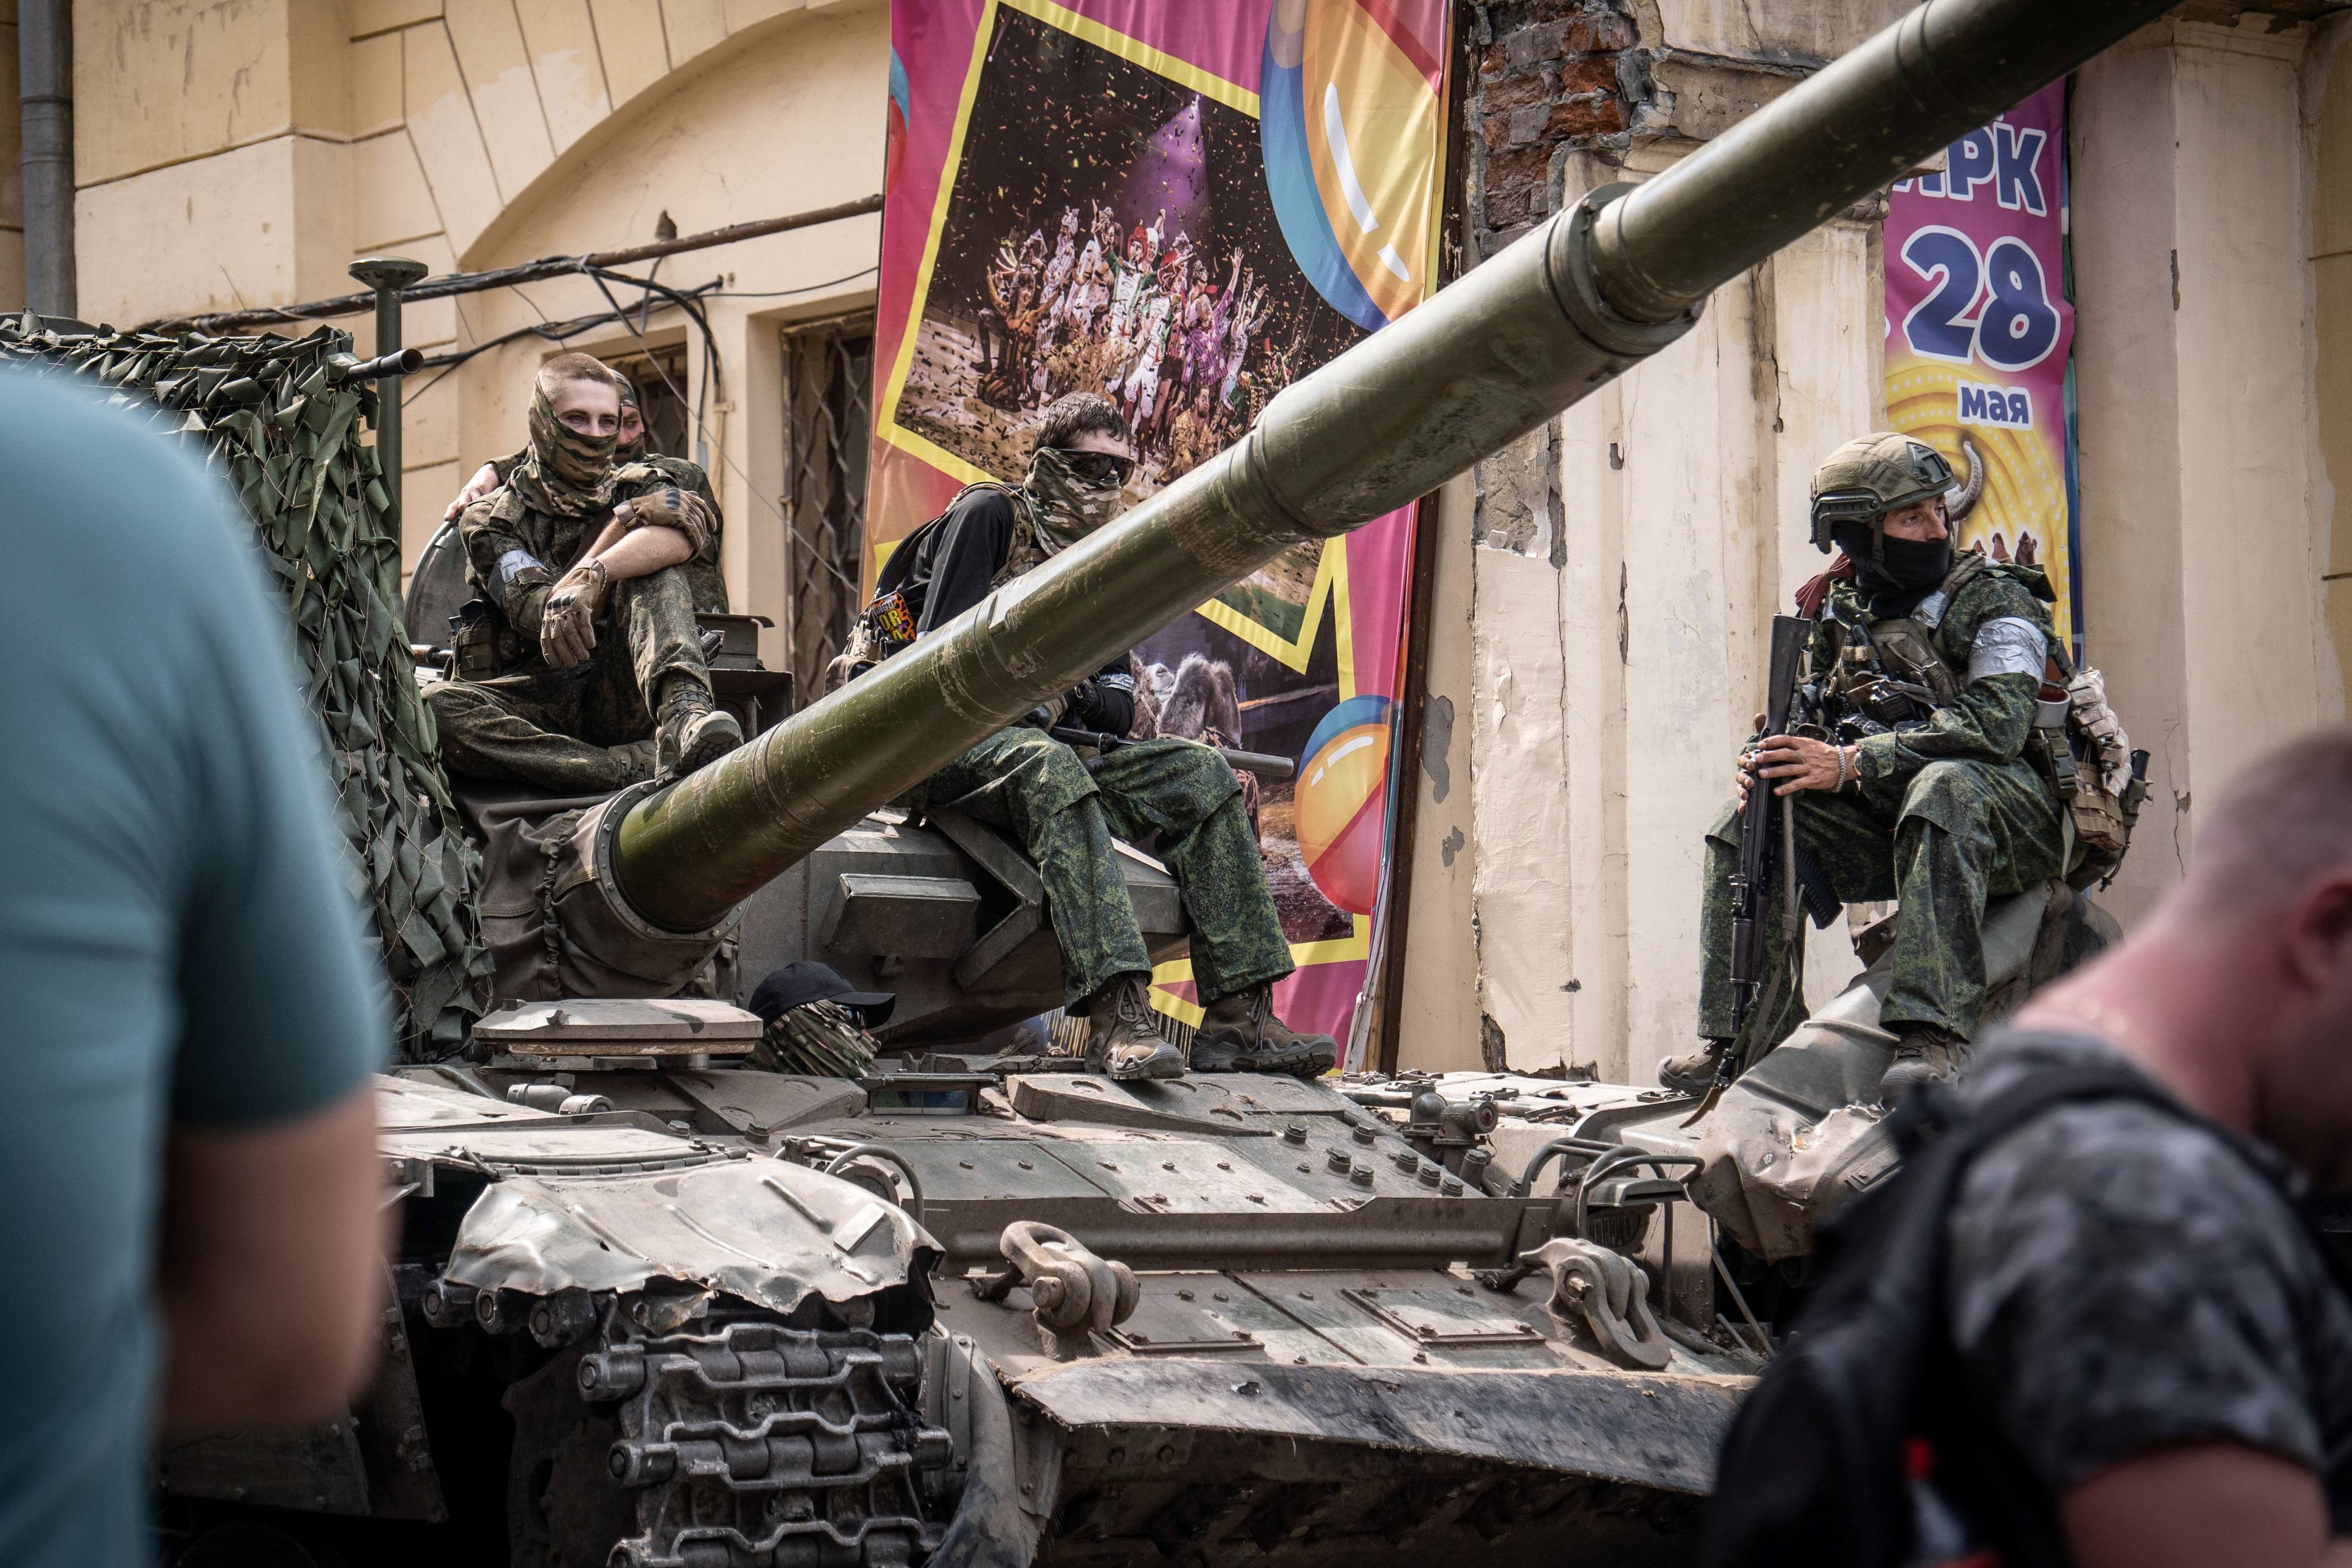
1761,827
1258,762
1766,830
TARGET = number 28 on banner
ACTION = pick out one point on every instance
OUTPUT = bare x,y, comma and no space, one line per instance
1993,306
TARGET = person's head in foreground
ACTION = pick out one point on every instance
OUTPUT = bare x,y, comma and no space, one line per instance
2238,990
2160,1329
2212,1411
2092,1318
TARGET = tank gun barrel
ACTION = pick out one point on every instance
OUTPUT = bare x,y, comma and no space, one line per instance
1562,311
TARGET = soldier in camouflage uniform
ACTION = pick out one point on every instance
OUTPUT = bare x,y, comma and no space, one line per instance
1066,811
637,472
542,698
1937,807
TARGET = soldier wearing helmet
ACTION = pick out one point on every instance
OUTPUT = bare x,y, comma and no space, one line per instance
1916,784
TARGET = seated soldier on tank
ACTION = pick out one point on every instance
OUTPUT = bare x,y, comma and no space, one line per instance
637,472
1939,808
564,677
1024,781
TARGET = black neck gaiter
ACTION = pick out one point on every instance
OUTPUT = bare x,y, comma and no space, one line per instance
1900,574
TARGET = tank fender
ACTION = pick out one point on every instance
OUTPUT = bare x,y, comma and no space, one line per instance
757,1229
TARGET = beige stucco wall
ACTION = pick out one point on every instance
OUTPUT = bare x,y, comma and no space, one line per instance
1613,667
2205,504
1438,1008
2327,122
238,152
783,121
1779,32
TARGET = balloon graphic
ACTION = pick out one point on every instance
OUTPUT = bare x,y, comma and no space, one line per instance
1347,99
1340,801
894,130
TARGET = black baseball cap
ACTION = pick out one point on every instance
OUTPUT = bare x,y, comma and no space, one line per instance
798,984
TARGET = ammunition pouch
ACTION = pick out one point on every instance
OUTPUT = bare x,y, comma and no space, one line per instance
1908,649
1893,703
1894,676
474,639
2079,746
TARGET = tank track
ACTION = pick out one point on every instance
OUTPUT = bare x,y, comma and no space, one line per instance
752,1445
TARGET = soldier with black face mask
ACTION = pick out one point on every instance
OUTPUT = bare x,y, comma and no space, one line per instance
1925,795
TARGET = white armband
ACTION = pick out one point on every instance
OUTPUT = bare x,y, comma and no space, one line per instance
2010,646
514,564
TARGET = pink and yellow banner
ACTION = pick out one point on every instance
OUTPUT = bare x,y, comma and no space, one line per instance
1184,205
1980,334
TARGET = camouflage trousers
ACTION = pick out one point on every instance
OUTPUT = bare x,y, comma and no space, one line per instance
1959,832
1035,788
571,731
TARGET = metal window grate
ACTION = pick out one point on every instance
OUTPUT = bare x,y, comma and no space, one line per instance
659,377
828,423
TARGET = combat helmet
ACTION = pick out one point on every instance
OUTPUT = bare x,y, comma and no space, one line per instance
1871,476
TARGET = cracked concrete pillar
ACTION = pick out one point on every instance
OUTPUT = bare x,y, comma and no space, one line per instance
2203,540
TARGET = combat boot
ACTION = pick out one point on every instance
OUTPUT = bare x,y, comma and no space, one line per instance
1924,1053
1694,1073
1240,1034
1123,1037
635,759
692,733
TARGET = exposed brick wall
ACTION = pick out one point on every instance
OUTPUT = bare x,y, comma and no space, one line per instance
1552,75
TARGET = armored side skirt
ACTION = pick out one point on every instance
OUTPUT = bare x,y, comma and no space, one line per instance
1365,1466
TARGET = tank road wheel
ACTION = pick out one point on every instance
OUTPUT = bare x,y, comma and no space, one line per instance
562,1511
735,1443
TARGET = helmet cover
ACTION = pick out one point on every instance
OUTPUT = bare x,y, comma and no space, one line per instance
1871,476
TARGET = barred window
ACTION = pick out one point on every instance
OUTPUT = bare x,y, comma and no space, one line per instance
828,422
659,377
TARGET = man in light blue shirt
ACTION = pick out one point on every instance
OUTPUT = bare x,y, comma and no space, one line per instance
188,1011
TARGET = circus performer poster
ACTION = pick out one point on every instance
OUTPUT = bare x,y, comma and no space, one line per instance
1185,205
1980,335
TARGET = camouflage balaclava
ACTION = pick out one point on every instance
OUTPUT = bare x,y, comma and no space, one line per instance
564,472
1068,507
631,451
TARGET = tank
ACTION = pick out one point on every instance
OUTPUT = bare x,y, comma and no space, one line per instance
653,1308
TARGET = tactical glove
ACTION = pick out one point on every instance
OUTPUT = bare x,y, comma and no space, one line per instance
1048,713
527,610
567,627
667,506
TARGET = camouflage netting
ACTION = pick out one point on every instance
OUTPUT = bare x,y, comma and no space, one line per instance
287,438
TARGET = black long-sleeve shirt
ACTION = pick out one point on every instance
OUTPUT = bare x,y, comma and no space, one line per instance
944,569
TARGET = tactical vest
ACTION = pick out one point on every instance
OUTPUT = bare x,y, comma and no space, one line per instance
1902,648
1895,674
484,643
